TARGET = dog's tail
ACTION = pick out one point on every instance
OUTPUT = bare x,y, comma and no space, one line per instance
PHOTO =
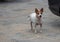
28,18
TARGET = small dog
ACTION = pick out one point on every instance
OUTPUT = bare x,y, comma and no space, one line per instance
35,18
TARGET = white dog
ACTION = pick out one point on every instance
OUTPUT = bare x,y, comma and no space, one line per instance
35,18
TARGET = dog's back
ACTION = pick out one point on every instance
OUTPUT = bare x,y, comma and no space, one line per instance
33,17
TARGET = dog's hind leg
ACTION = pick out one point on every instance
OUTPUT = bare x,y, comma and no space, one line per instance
35,28
31,26
40,27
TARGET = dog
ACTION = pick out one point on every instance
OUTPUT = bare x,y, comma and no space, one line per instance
36,19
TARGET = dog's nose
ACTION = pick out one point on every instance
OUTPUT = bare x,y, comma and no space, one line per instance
40,16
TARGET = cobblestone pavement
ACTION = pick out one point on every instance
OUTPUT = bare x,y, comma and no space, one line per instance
14,26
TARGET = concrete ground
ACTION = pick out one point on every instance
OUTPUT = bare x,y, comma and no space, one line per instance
14,26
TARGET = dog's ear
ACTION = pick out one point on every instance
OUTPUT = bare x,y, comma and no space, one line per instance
36,10
41,10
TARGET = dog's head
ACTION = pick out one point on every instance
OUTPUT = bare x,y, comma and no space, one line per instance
39,12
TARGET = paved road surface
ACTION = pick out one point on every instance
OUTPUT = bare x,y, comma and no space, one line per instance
14,26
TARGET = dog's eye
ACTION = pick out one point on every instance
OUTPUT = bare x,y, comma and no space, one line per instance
39,15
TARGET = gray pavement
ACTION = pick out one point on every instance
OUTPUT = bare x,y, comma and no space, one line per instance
14,26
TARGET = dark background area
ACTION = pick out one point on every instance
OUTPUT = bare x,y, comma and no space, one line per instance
54,6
